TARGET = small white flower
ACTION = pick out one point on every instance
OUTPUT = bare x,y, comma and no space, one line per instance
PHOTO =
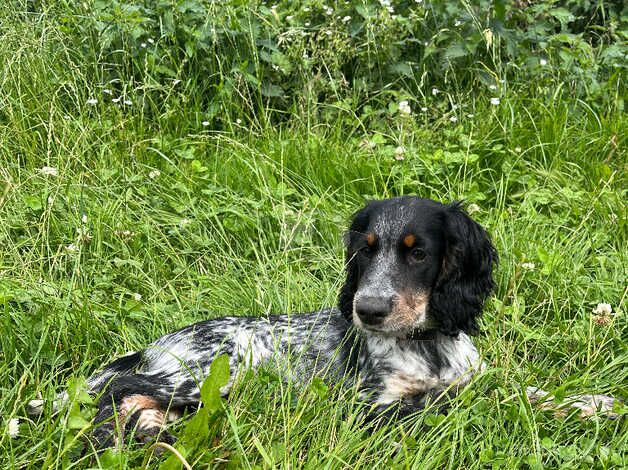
404,108
71,248
603,309
346,19
176,82
423,109
84,218
307,9
289,17
205,123
528,266
154,174
495,101
137,297
115,100
328,32
518,149
83,235
390,9
184,222
542,62
418,1
435,91
125,233
49,171
238,121
13,428
50,200
143,44
457,23
400,152
274,7
151,40
92,101
472,208
470,115
107,91
492,87
307,24
453,119
128,102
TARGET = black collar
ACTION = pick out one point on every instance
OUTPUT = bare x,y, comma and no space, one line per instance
422,335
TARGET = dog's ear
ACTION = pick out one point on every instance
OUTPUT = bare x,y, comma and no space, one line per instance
359,225
466,276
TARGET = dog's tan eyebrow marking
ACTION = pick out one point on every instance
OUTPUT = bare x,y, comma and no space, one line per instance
370,239
409,240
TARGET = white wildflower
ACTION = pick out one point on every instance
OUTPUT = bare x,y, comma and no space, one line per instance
49,171
125,233
71,248
176,81
603,309
495,101
107,91
457,23
92,101
328,32
84,218
346,19
518,149
151,40
289,18
542,62
418,1
143,44
435,91
13,428
453,119
115,100
137,297
400,152
238,121
404,108
184,222
50,200
470,115
528,266
128,102
492,87
205,123
307,24
423,109
154,174
472,208
306,9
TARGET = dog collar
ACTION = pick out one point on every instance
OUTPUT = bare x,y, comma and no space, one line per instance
422,335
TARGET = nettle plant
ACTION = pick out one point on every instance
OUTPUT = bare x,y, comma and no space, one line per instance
260,59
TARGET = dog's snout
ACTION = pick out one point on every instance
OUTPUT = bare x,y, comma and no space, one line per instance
373,310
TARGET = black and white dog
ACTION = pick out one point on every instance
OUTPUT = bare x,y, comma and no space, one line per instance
417,275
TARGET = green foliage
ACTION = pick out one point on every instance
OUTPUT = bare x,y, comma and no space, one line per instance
256,61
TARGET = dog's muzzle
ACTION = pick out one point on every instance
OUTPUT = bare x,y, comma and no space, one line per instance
373,310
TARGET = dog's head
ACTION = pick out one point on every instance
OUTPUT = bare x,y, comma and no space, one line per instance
415,265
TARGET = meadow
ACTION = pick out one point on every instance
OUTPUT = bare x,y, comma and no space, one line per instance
168,161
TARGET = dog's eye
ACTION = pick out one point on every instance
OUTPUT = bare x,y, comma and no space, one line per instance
417,255
367,250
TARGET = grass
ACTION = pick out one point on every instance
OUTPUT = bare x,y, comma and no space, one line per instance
153,221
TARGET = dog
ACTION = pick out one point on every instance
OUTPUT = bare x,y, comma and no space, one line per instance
417,275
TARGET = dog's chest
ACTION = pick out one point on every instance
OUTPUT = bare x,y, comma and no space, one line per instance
409,370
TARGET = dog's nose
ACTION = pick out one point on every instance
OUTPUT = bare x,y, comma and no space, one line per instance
373,310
